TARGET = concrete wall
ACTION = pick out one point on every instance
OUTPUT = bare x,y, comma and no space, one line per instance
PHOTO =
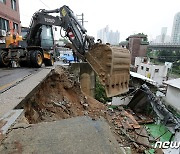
86,76
173,97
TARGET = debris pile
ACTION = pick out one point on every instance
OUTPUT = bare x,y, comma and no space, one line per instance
60,97
129,128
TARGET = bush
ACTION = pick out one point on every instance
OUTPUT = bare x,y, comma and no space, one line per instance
100,93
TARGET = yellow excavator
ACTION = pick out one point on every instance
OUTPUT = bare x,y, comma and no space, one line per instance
111,63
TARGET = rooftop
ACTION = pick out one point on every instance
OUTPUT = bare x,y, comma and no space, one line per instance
136,75
174,83
139,35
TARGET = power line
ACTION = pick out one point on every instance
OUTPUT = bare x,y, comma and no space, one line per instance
44,4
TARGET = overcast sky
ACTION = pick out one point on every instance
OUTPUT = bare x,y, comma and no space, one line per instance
126,16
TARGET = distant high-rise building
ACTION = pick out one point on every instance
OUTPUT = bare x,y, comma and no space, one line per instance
163,34
175,36
163,38
108,36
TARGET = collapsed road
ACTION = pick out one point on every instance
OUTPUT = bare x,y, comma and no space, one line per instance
58,117
59,97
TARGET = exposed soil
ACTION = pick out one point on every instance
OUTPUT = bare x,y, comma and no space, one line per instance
60,97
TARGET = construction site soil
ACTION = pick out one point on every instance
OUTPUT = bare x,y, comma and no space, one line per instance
60,97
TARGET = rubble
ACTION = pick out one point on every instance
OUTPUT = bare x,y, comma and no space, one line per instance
126,125
144,99
59,97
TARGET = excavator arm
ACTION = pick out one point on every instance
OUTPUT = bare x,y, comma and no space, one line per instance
112,64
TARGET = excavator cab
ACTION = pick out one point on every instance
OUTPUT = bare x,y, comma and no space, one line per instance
43,37
47,38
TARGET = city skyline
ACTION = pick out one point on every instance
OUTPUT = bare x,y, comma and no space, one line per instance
107,35
175,32
128,17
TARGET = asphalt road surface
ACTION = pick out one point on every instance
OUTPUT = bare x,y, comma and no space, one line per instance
11,76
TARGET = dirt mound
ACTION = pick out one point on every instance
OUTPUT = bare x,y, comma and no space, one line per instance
60,97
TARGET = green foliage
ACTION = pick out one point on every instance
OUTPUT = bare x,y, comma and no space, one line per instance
149,53
100,93
176,68
170,56
166,56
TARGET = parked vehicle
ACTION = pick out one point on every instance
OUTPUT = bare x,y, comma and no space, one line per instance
67,58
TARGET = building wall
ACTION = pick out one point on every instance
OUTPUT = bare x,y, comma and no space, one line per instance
136,49
157,73
173,96
139,60
6,12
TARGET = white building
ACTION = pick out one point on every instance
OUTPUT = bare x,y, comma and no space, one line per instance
173,93
108,36
157,73
175,35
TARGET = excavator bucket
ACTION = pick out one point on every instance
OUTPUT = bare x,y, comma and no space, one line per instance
112,65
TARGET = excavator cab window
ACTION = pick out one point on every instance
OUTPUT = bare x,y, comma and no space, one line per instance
47,39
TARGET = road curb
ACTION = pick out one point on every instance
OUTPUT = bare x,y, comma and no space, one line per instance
11,98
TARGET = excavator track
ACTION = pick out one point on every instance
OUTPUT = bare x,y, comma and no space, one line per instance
112,65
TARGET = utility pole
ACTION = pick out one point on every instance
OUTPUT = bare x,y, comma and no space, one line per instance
81,18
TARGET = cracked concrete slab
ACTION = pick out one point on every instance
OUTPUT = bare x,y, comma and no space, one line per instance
75,135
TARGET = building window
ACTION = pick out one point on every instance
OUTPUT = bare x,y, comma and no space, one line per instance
3,1
13,5
142,67
15,26
4,24
156,70
147,69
